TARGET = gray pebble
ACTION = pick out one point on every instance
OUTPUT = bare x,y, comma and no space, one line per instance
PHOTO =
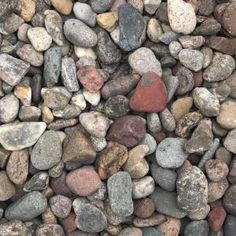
151,231
153,122
6,8
171,83
167,120
197,228
189,41
70,111
230,226
22,33
29,113
11,24
100,6
229,200
150,142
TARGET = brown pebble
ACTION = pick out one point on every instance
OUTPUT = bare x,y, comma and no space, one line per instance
144,208
7,188
155,219
48,217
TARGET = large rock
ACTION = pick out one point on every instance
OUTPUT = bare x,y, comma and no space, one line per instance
16,136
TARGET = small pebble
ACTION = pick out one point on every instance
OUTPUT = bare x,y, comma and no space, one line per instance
60,205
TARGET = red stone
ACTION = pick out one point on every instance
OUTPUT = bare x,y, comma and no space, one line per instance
90,78
216,218
69,223
150,94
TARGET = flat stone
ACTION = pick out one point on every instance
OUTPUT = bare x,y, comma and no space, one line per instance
7,188
197,228
27,134
229,141
12,70
28,207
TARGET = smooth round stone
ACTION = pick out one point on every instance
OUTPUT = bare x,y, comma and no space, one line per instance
181,16
84,13
28,207
216,190
231,81
167,120
151,231
228,18
79,33
229,141
144,208
200,214
170,153
63,6
197,228
230,225
47,152
216,218
11,227
150,141
39,38
153,122
175,47
120,194
192,41
29,113
49,229
9,107
26,9
7,188
83,53
100,6
165,178
108,20
22,32
143,60
192,59
132,231
229,200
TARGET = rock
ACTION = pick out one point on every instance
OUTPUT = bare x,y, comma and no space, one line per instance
56,170
216,170
83,181
229,225
166,203
9,107
106,50
207,56
78,100
47,151
29,113
7,188
229,200
26,9
132,231
197,228
153,122
78,149
144,208
150,94
52,66
226,117
70,111
150,141
7,8
50,229
24,93
111,160
28,207
39,38
170,227
108,20
167,120
216,190
90,78
92,98
228,17
95,123
143,60
175,47
10,227
206,102
154,30
120,194
17,166
221,68
136,164
229,141
28,54
200,214
192,59
64,6
181,16
206,8
27,134
128,130
86,54
22,32
79,33
100,6
143,187
151,6
12,70
165,178
11,24
208,27
192,41
202,138
98,143
132,27
216,218
60,205
84,13
90,219
170,152
150,231
192,189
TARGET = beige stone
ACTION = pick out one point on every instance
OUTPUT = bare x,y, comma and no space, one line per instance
7,188
26,9
171,227
63,6
108,20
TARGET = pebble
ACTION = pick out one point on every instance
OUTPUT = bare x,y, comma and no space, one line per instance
111,160
100,6
192,189
7,8
56,170
70,111
8,114
165,178
90,219
29,134
172,83
11,24
132,231
38,182
128,130
170,152
229,141
175,47
221,68
192,42
181,16
28,207
52,66
92,98
10,227
166,203
120,193
229,200
206,102
60,205
39,38
192,59
228,17
85,13
206,8
153,122
231,81
26,9
47,151
132,27
154,30
17,166
216,218
22,32
150,141
197,228
63,6
144,208
136,165
200,214
229,225
98,143
216,190
108,20
78,100
85,53
150,231
50,229
79,33
12,70
207,56
83,181
208,27
24,93
143,60
150,94
7,188
167,120
143,187
168,37
151,6
170,227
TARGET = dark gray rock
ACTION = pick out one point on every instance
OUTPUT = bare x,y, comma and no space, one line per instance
229,200
36,85
151,231
50,229
230,226
6,8
100,6
197,228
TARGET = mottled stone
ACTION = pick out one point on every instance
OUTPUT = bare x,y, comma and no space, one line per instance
7,188
49,229
144,208
229,200
216,190
60,205
167,120
11,227
63,6
229,141
197,228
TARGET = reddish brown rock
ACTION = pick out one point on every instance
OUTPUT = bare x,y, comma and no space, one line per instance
216,218
111,160
150,94
69,224
144,208
229,19
90,78
128,130
198,78
84,181
153,220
